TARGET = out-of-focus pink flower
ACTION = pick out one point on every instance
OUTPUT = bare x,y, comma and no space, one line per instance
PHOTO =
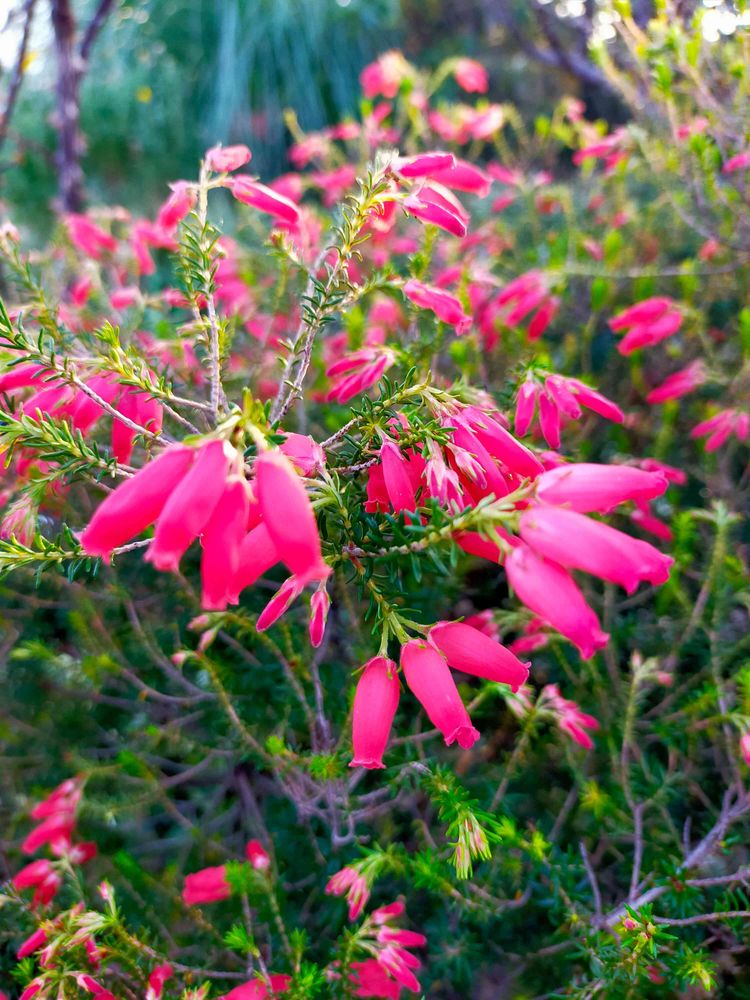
471,76
227,158
423,164
527,294
721,426
264,199
258,990
289,517
209,885
588,487
88,237
550,592
741,161
383,78
350,883
181,201
679,384
32,943
429,678
375,703
445,306
710,249
467,649
465,176
157,980
568,715
257,855
358,372
371,980
648,323
578,542
559,398
744,748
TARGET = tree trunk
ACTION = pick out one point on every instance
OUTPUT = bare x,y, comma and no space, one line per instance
67,115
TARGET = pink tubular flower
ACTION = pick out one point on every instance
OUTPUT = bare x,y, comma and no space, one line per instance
427,674
569,717
578,542
467,649
527,294
257,855
89,238
136,503
305,453
137,405
741,161
320,604
289,517
32,943
434,213
648,322
375,704
358,372
371,980
280,603
679,384
587,487
551,593
32,989
464,176
721,426
221,541
190,505
257,990
181,201
471,76
257,555
157,980
209,885
226,158
263,198
353,885
445,306
423,165
501,444
383,77
398,483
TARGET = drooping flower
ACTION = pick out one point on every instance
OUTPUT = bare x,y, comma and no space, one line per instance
351,883
398,483
289,518
721,426
191,504
446,307
181,201
320,604
358,372
136,503
559,398
265,199
467,649
221,542
429,678
88,237
434,211
568,715
375,703
550,592
471,75
648,323
679,384
578,542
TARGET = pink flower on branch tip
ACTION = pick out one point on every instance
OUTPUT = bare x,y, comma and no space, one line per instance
679,384
88,237
429,678
431,211
351,883
209,885
223,159
467,649
471,75
221,542
423,165
648,323
258,990
320,604
719,428
569,716
181,201
446,307
741,161
257,855
375,703
265,199
358,372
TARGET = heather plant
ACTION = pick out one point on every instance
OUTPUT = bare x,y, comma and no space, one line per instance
374,557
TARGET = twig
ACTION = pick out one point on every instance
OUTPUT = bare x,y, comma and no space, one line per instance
18,70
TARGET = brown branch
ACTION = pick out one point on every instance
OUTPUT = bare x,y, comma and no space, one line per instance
94,26
18,70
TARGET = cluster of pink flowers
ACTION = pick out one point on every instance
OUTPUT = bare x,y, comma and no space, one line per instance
245,527
527,294
556,400
647,323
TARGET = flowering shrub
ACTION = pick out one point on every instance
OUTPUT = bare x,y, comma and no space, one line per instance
359,488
